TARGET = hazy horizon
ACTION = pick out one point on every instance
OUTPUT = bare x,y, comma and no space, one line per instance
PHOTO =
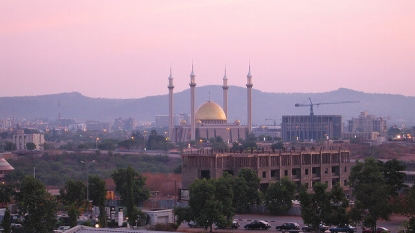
125,49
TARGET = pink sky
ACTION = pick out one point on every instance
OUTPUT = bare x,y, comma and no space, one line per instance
124,49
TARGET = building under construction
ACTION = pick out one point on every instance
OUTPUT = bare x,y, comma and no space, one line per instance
305,166
311,127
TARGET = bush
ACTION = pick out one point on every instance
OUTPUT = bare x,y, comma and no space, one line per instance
165,227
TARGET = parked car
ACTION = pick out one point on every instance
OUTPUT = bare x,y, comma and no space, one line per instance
343,228
288,226
257,224
321,227
378,230
193,224
234,225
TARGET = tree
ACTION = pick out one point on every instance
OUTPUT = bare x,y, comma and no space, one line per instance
394,177
218,143
130,185
73,214
277,146
6,193
279,196
393,132
10,146
74,193
246,190
37,205
6,222
406,206
30,146
374,184
155,141
98,192
224,194
183,214
322,206
211,201
14,177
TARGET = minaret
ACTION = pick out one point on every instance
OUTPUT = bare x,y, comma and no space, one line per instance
225,94
171,123
192,85
249,101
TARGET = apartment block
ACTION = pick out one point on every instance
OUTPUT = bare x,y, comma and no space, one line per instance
303,166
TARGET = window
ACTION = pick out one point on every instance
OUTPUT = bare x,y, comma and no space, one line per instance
294,172
306,171
345,182
345,168
205,174
264,174
285,172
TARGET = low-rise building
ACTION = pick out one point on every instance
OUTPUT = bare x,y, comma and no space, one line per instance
304,166
20,139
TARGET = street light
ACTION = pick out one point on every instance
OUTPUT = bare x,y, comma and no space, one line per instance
87,178
96,143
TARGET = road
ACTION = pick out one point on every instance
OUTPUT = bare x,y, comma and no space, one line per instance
393,224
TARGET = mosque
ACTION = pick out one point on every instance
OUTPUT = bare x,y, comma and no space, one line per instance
210,119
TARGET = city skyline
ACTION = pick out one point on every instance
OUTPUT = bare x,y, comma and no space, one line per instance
112,49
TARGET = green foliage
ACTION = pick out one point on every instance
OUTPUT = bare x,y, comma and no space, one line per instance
406,204
37,205
10,146
55,169
279,196
165,227
97,192
6,222
6,193
183,214
130,185
30,146
322,206
374,184
277,146
157,142
246,190
211,201
178,169
73,214
74,193
218,143
394,177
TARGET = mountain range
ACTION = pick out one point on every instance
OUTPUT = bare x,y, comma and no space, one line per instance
398,109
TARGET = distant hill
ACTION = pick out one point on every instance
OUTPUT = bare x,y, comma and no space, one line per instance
400,109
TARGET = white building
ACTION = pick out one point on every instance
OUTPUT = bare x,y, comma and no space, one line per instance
21,139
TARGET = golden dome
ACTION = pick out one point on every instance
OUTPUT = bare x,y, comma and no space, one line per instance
183,122
210,111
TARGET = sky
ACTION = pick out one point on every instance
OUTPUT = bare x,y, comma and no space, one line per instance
125,49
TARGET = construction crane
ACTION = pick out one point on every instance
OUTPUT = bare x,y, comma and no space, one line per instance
311,104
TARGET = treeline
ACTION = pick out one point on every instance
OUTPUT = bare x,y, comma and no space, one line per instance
55,169
39,207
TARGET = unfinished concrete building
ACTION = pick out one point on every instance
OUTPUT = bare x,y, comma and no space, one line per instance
304,166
